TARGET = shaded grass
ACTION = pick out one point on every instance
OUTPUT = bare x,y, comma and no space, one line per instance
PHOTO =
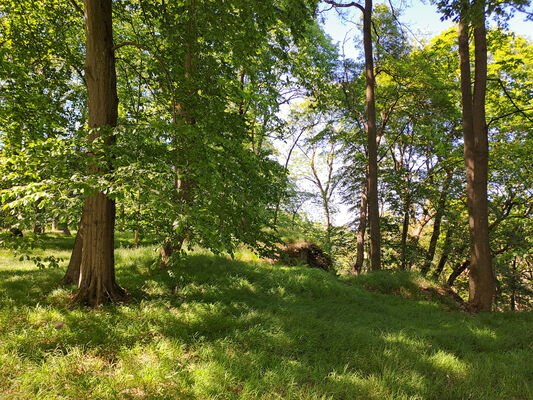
214,328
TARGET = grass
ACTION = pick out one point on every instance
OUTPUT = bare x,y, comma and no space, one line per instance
214,328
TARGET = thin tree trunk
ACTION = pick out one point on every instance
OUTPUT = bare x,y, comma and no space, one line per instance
481,278
405,230
137,217
72,276
458,270
97,272
513,286
373,205
328,225
441,206
360,257
373,198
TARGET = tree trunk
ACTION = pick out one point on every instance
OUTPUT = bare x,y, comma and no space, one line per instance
458,270
66,230
184,183
137,218
513,282
325,205
441,206
481,277
72,276
170,246
373,205
405,231
97,270
360,257
444,255
166,253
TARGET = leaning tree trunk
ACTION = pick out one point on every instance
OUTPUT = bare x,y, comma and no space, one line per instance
481,277
97,270
445,254
360,257
373,205
72,276
459,268
441,206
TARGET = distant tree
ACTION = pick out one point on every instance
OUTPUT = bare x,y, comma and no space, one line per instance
370,127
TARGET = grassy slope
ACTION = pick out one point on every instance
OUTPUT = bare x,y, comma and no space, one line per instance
221,329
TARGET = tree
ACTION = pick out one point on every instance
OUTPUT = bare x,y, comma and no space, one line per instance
370,126
97,268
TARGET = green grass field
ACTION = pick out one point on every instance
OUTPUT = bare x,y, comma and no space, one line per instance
214,328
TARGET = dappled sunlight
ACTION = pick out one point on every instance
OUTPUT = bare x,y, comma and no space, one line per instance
449,364
212,325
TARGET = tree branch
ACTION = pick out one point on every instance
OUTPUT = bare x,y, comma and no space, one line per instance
518,109
352,4
77,7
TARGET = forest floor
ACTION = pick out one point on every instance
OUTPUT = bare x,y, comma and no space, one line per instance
215,328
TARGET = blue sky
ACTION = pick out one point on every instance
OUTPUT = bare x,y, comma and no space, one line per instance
422,19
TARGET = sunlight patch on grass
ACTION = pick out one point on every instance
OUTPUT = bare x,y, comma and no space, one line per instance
449,364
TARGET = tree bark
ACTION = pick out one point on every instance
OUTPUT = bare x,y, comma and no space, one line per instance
481,277
373,205
97,270
360,257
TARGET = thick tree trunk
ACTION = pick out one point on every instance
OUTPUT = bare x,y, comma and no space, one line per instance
97,271
481,278
360,257
441,206
373,205
97,274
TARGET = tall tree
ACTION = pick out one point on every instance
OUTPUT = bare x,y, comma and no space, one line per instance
97,270
370,125
471,16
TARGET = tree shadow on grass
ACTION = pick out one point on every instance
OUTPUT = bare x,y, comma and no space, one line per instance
239,330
